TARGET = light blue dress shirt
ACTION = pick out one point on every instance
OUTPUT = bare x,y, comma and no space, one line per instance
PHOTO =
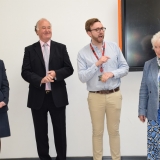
88,72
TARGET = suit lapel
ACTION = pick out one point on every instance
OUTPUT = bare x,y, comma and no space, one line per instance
52,51
39,52
154,70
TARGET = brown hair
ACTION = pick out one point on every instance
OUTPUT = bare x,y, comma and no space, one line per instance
90,22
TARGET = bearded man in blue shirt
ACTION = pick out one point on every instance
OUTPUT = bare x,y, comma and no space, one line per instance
101,64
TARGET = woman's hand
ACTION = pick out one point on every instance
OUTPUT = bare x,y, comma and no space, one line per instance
142,118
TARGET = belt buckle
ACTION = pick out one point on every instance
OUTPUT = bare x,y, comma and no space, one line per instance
48,91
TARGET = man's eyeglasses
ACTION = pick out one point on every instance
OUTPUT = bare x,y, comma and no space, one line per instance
99,29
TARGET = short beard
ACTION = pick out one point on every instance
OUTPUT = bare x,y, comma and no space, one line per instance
97,40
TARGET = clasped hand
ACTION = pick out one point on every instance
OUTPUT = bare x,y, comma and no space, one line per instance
49,77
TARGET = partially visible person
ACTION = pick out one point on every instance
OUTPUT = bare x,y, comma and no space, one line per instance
101,65
149,100
4,98
46,65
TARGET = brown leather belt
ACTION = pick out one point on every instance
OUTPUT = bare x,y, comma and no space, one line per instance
48,91
106,91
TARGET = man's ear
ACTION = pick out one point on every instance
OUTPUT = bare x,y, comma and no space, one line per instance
89,33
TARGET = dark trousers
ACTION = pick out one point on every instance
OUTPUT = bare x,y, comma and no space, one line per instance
40,119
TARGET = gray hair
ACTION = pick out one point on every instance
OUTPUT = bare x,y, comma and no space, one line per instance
155,38
37,24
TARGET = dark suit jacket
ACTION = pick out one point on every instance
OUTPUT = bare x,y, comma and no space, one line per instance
33,70
4,87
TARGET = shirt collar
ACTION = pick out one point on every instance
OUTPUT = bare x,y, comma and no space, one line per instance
96,46
42,43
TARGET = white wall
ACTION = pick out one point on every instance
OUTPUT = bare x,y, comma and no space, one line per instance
18,18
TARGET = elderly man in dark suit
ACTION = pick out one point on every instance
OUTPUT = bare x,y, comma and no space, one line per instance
4,97
46,64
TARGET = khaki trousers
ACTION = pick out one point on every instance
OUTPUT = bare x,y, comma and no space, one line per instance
99,106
